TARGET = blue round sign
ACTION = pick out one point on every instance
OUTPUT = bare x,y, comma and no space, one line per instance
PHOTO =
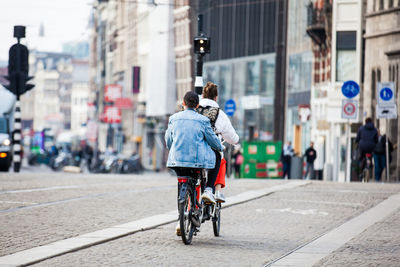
230,107
386,94
350,89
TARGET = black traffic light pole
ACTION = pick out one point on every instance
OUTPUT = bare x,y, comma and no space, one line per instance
201,47
18,70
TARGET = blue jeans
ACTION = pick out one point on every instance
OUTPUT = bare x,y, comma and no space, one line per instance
309,170
380,164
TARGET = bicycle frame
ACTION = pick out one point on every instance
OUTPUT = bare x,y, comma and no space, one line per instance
192,210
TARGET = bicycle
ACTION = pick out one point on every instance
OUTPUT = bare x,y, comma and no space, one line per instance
192,210
366,171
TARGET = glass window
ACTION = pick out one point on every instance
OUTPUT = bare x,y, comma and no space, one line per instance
294,73
253,77
3,125
225,84
238,89
267,122
268,77
299,72
345,65
211,74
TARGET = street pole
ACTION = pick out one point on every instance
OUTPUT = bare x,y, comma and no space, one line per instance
17,115
198,84
348,154
387,152
18,75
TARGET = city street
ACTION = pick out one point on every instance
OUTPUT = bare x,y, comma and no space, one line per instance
39,208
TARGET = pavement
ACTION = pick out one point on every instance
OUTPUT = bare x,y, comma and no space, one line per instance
55,208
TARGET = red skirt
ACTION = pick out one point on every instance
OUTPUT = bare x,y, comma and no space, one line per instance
221,174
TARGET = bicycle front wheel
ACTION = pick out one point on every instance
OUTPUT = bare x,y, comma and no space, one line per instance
217,219
185,222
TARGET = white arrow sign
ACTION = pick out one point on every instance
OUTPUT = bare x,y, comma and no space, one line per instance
386,112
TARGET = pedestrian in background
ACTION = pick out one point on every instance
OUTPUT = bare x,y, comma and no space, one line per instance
238,162
286,158
310,156
380,155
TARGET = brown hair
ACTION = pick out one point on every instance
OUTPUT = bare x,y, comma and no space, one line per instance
210,91
191,99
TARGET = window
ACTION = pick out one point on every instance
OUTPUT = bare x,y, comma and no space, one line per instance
373,5
390,3
268,77
253,77
225,84
346,56
380,4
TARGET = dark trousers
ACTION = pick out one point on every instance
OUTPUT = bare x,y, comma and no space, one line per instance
213,173
286,169
380,164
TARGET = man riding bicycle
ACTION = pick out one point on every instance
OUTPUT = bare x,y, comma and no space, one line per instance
190,140
367,138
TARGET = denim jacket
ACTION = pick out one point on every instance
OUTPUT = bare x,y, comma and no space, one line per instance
189,138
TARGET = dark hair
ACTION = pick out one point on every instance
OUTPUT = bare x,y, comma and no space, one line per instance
210,91
368,120
191,99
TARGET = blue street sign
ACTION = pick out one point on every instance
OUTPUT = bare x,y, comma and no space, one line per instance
350,89
386,94
230,107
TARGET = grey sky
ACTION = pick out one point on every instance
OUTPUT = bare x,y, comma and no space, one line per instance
63,20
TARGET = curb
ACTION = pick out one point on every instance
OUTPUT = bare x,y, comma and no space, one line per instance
317,249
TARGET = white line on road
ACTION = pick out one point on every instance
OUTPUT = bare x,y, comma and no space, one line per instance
17,202
326,202
42,189
58,248
311,253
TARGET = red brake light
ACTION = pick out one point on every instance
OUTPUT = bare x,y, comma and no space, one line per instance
182,179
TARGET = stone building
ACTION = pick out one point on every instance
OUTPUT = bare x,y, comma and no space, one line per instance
382,61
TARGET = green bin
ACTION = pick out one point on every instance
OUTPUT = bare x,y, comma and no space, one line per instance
261,159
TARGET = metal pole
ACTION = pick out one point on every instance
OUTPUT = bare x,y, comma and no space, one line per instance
387,152
348,154
16,137
198,84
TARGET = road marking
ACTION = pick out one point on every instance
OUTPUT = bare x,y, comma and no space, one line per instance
41,189
312,252
302,212
17,202
326,202
58,248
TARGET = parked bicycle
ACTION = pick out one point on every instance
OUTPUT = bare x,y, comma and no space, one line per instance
192,210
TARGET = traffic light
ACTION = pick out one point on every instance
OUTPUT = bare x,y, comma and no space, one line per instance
18,65
201,45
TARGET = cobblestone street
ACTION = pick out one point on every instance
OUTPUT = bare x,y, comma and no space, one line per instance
38,209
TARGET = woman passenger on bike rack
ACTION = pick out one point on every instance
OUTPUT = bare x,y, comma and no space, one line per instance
190,140
222,127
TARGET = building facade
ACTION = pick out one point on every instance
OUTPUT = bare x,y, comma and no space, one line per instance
382,60
248,62
336,29
79,96
299,75
52,78
132,46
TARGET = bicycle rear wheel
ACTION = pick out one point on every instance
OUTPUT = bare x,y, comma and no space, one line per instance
216,220
185,222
